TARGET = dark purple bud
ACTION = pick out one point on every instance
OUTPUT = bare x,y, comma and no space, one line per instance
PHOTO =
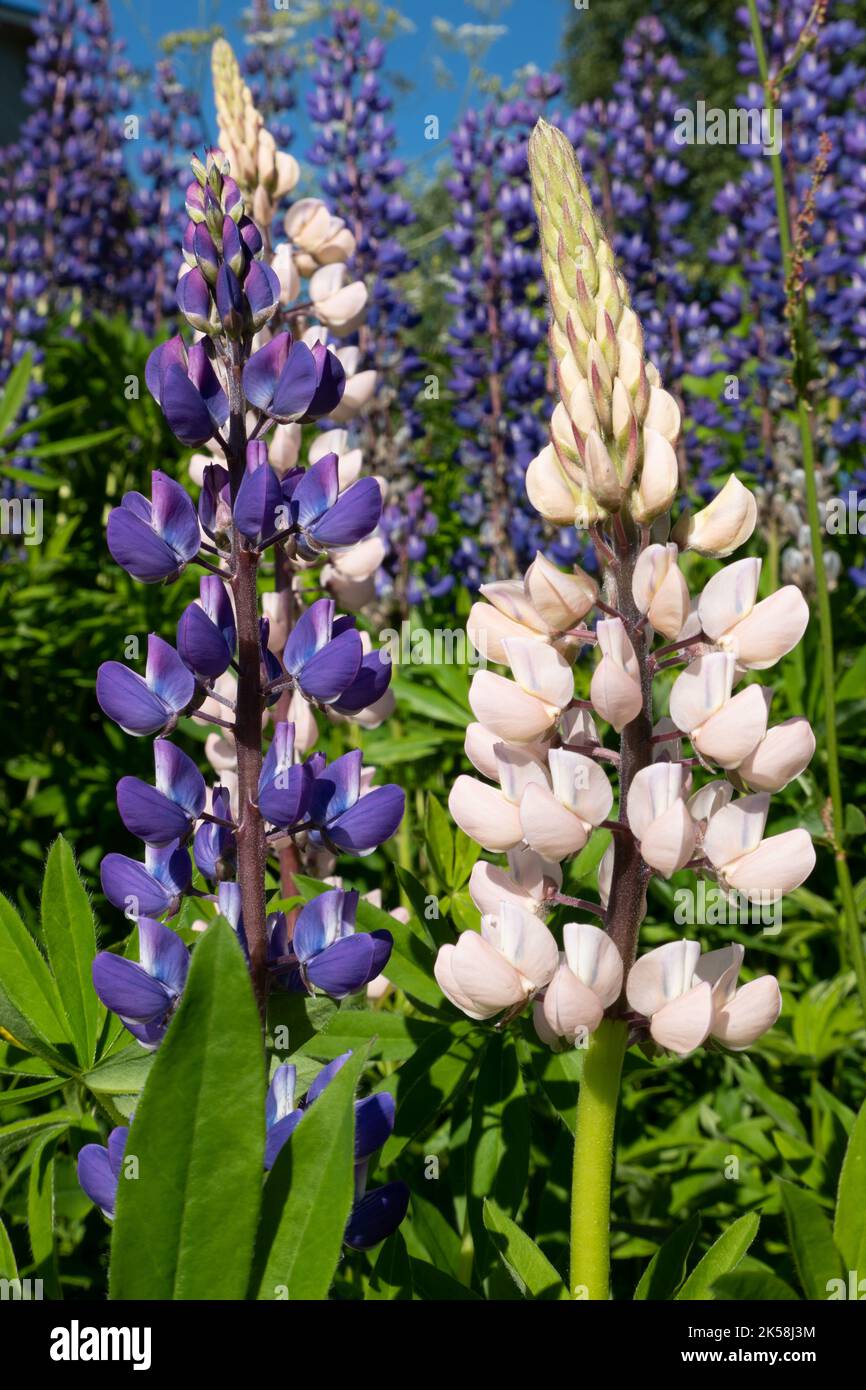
193,299
205,253
230,302
214,503
262,289
234,250
99,1170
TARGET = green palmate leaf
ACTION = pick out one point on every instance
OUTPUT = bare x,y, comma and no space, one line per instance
531,1270
667,1269
14,392
810,1238
8,1266
424,1085
392,1272
439,842
70,936
721,1258
498,1149
30,1007
22,1094
436,1235
40,1216
122,1074
187,1207
746,1286
308,1197
434,1285
15,1135
849,1227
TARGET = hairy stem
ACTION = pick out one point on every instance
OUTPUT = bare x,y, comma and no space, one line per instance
593,1162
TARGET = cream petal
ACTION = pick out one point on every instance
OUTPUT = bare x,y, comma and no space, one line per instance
507,710
720,970
543,1029
779,865
548,827
701,689
683,1024
541,671
531,871
669,842
570,1005
735,731
484,814
550,492
444,976
736,829
771,630
594,959
710,799
653,791
509,597
729,596
489,886
613,641
479,745
670,608
661,975
517,768
487,628
560,599
527,944
650,571
663,414
605,874
578,726
581,785
616,696
484,976
726,523
785,751
752,1011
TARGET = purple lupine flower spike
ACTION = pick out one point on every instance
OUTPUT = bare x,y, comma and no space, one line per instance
165,812
144,994
151,889
148,704
284,786
154,540
206,634
99,1169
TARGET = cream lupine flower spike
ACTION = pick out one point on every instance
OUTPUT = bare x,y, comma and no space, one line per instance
264,173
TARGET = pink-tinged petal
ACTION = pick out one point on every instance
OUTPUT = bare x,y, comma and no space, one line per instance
701,689
785,752
543,1030
569,1005
549,827
671,606
661,975
710,799
508,711
779,865
771,630
484,814
479,745
487,630
490,886
594,959
736,829
684,1023
651,569
729,596
531,871
484,976
549,490
720,970
735,731
752,1011
669,842
561,600
615,695
517,769
613,641
510,598
540,670
525,942
444,976
722,526
581,785
653,791
605,874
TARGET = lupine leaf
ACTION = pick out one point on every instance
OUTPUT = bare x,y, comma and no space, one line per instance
721,1258
185,1225
811,1239
70,936
122,1074
435,1285
667,1268
531,1270
15,391
40,1216
30,1007
308,1197
8,1266
850,1223
439,842
746,1286
424,1085
392,1272
498,1151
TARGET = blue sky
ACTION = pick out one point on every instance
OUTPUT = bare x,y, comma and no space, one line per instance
533,32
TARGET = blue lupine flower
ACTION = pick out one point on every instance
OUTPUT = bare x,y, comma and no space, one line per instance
214,847
149,704
165,812
151,889
206,634
323,654
99,1170
154,540
330,954
284,786
144,994
342,817
327,519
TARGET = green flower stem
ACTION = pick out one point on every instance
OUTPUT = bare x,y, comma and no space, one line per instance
593,1162
825,619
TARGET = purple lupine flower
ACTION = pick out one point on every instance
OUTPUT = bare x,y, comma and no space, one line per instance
281,378
153,888
281,1115
206,635
369,685
214,846
186,387
144,994
99,1169
284,785
323,654
164,812
346,819
155,540
148,704
256,511
331,955
325,517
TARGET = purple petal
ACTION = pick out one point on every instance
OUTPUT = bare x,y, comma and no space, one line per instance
281,1094
96,1178
330,383
333,669
162,357
285,800
280,754
193,297
262,289
296,386
278,1134
214,850
320,923
206,382
350,963
184,408
201,644
262,371
216,603
352,518
256,504
370,822
174,515
377,1215
310,634
128,990
325,1077
317,491
233,246
163,954
127,699
167,676
178,777
117,1147
136,547
368,686
229,300
149,814
374,1123
127,884
336,788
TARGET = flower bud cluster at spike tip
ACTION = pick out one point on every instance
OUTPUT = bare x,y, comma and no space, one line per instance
614,431
264,173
